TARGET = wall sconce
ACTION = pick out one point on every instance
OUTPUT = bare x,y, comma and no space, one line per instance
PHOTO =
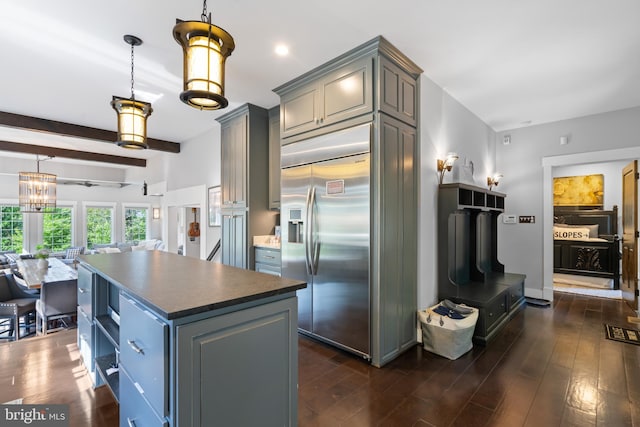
446,164
132,114
156,213
205,49
493,180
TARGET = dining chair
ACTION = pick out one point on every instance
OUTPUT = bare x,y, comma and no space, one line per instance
58,300
14,304
71,254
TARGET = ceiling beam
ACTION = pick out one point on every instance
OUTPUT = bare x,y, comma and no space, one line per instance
69,129
70,154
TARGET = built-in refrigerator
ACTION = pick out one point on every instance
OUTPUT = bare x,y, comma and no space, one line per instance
325,218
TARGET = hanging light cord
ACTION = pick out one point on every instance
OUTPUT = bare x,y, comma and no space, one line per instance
204,13
133,97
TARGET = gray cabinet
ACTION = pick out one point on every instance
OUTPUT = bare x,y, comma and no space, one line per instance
339,92
373,83
234,238
274,158
246,362
244,182
234,160
469,271
395,293
268,261
219,349
398,92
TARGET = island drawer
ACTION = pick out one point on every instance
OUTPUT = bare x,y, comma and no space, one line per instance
143,352
85,287
84,338
134,410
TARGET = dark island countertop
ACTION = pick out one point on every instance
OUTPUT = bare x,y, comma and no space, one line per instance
177,286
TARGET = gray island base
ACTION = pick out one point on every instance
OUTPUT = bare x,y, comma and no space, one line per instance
185,342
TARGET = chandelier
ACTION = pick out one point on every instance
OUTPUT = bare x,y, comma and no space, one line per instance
205,49
132,114
37,191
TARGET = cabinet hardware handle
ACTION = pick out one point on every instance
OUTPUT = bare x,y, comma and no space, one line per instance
135,347
82,290
132,423
269,256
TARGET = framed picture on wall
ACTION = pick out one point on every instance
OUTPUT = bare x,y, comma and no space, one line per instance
215,217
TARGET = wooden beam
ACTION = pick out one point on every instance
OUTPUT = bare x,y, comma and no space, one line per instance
69,129
70,154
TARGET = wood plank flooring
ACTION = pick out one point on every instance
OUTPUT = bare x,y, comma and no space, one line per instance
550,366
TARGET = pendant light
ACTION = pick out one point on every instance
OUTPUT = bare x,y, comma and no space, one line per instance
132,114
205,49
36,191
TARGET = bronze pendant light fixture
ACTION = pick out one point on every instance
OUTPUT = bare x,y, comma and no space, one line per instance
37,191
205,49
132,114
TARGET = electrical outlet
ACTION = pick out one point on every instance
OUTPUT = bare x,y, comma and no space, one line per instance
528,219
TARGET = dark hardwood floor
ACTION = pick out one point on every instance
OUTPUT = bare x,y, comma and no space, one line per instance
549,367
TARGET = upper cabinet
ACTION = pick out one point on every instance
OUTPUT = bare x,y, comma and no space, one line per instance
347,88
244,182
234,160
398,92
341,94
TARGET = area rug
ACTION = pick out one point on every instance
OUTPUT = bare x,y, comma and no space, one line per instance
616,333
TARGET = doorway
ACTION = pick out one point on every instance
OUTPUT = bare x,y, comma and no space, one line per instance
548,164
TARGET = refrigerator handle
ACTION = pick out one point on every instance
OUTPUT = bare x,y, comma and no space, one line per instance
313,242
306,236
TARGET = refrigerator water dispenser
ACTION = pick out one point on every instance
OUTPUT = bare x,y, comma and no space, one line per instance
296,226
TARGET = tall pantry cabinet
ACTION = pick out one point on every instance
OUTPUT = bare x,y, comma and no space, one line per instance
244,183
377,84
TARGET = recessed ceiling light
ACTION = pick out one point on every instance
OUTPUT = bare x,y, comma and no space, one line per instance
282,50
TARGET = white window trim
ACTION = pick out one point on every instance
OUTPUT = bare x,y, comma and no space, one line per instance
25,223
126,206
62,204
85,205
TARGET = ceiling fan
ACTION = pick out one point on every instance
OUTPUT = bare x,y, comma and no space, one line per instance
91,183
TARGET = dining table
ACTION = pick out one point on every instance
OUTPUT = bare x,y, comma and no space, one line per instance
35,272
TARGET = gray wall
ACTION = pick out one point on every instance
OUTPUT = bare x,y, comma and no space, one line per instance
521,246
445,126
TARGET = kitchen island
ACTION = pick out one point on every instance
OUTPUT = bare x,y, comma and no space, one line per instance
182,341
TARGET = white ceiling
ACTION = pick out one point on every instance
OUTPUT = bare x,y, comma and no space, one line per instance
512,63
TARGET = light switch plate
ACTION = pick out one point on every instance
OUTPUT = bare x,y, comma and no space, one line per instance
509,219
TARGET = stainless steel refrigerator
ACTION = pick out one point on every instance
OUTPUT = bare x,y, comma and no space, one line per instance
325,226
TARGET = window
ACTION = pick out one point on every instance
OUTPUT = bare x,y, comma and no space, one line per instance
56,229
11,228
135,224
99,225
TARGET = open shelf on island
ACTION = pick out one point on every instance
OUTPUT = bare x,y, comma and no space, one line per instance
113,381
109,328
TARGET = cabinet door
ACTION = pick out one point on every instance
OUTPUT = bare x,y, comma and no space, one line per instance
299,110
239,369
347,92
234,163
338,95
234,238
274,158
398,92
